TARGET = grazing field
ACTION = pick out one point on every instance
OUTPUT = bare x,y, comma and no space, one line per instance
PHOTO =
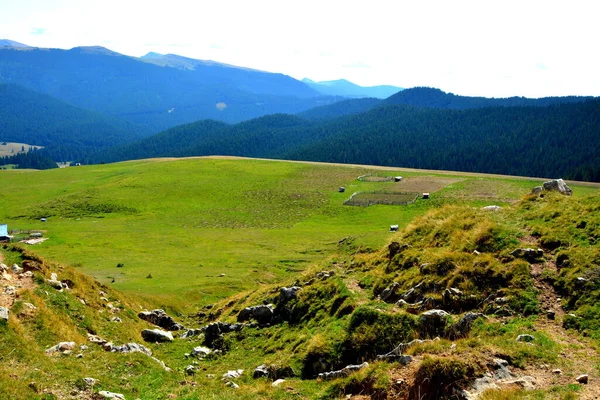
365,199
11,148
178,225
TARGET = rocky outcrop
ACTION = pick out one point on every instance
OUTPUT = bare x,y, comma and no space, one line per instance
160,318
156,335
525,338
342,372
263,314
390,294
215,330
462,328
272,372
557,185
201,352
433,323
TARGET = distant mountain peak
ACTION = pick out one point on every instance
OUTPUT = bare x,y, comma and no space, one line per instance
343,87
152,55
11,43
95,50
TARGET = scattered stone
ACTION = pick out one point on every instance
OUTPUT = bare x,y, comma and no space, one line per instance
3,267
55,284
201,352
525,338
557,371
582,379
390,294
342,372
90,382
215,329
127,348
190,370
537,190
528,254
191,333
491,208
222,275
61,347
156,335
26,274
432,323
210,376
16,269
462,328
260,372
232,385
160,318
277,382
551,314
398,353
53,276
263,314
557,185
500,369
116,319
325,275
10,290
3,315
286,294
110,395
233,374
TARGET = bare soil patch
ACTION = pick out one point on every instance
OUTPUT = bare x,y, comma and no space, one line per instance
425,184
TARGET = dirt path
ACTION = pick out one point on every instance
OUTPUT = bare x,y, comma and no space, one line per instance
577,356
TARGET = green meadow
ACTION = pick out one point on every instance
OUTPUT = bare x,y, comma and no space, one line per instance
191,231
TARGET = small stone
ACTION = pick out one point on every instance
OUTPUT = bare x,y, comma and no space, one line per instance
61,347
109,395
556,371
232,374
201,351
190,370
16,269
232,385
79,355
582,379
157,335
277,382
3,315
89,382
525,338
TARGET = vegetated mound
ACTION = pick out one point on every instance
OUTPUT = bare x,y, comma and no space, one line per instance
465,300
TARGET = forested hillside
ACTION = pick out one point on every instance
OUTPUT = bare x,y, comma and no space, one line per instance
66,132
558,140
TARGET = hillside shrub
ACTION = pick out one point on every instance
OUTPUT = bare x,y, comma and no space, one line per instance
441,378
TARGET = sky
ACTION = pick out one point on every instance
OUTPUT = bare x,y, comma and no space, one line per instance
476,48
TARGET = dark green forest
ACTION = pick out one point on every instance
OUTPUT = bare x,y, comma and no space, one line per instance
30,160
66,132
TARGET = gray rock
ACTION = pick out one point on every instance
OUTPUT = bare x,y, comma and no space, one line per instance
110,395
537,190
462,328
160,318
90,382
232,385
201,352
525,382
16,269
260,372
557,185
233,374
156,335
398,353
342,372
61,347
525,338
127,348
10,290
557,371
288,293
500,369
390,294
263,314
277,382
55,284
190,370
582,379
214,330
3,315
433,323
191,333
3,267
528,254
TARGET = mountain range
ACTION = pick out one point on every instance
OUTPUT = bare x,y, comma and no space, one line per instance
344,88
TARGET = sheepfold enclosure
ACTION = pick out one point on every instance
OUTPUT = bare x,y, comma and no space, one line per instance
365,199
375,178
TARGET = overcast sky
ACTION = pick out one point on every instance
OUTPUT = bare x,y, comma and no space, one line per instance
484,47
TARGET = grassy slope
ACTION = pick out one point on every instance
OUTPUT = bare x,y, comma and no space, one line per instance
187,221
451,232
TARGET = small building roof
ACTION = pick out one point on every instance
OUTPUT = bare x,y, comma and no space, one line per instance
3,230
